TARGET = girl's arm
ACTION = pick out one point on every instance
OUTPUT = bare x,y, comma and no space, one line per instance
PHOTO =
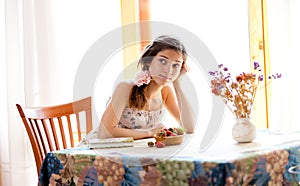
178,106
112,114
186,112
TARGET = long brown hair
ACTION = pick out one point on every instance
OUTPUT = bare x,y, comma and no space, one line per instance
137,98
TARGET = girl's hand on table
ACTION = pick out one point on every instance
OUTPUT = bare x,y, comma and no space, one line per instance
157,129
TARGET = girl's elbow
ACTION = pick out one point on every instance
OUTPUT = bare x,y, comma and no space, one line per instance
190,131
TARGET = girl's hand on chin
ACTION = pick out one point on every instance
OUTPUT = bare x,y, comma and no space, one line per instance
184,70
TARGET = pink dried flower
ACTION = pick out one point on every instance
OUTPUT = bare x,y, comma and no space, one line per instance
142,77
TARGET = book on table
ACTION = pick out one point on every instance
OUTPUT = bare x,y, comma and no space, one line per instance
110,142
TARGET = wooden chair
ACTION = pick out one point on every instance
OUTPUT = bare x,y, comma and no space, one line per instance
56,127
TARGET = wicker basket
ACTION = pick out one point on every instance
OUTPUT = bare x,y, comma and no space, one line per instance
170,140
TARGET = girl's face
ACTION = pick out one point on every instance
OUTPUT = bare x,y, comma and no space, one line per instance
165,66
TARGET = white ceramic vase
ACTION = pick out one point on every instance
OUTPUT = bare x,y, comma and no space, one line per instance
244,130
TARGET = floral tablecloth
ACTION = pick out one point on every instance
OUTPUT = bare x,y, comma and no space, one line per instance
142,165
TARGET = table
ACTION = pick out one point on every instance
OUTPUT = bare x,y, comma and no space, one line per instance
265,161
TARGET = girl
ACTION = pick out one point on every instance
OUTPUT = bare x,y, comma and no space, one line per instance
136,107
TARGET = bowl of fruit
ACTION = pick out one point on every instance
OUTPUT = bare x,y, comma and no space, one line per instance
170,136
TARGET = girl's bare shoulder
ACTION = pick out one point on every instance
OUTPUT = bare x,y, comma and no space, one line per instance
167,90
124,87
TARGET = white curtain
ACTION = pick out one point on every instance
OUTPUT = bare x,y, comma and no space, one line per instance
42,44
284,29
15,159
27,64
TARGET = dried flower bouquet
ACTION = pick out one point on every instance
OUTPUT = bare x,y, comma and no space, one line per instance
239,93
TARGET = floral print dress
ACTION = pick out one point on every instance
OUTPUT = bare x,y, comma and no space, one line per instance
140,119
133,118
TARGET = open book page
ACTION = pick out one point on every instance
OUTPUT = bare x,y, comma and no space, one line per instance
110,142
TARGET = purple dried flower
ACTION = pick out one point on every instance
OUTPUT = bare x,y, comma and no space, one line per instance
260,77
256,65
278,75
211,73
225,69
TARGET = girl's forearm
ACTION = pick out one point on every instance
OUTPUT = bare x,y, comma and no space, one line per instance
123,132
186,111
